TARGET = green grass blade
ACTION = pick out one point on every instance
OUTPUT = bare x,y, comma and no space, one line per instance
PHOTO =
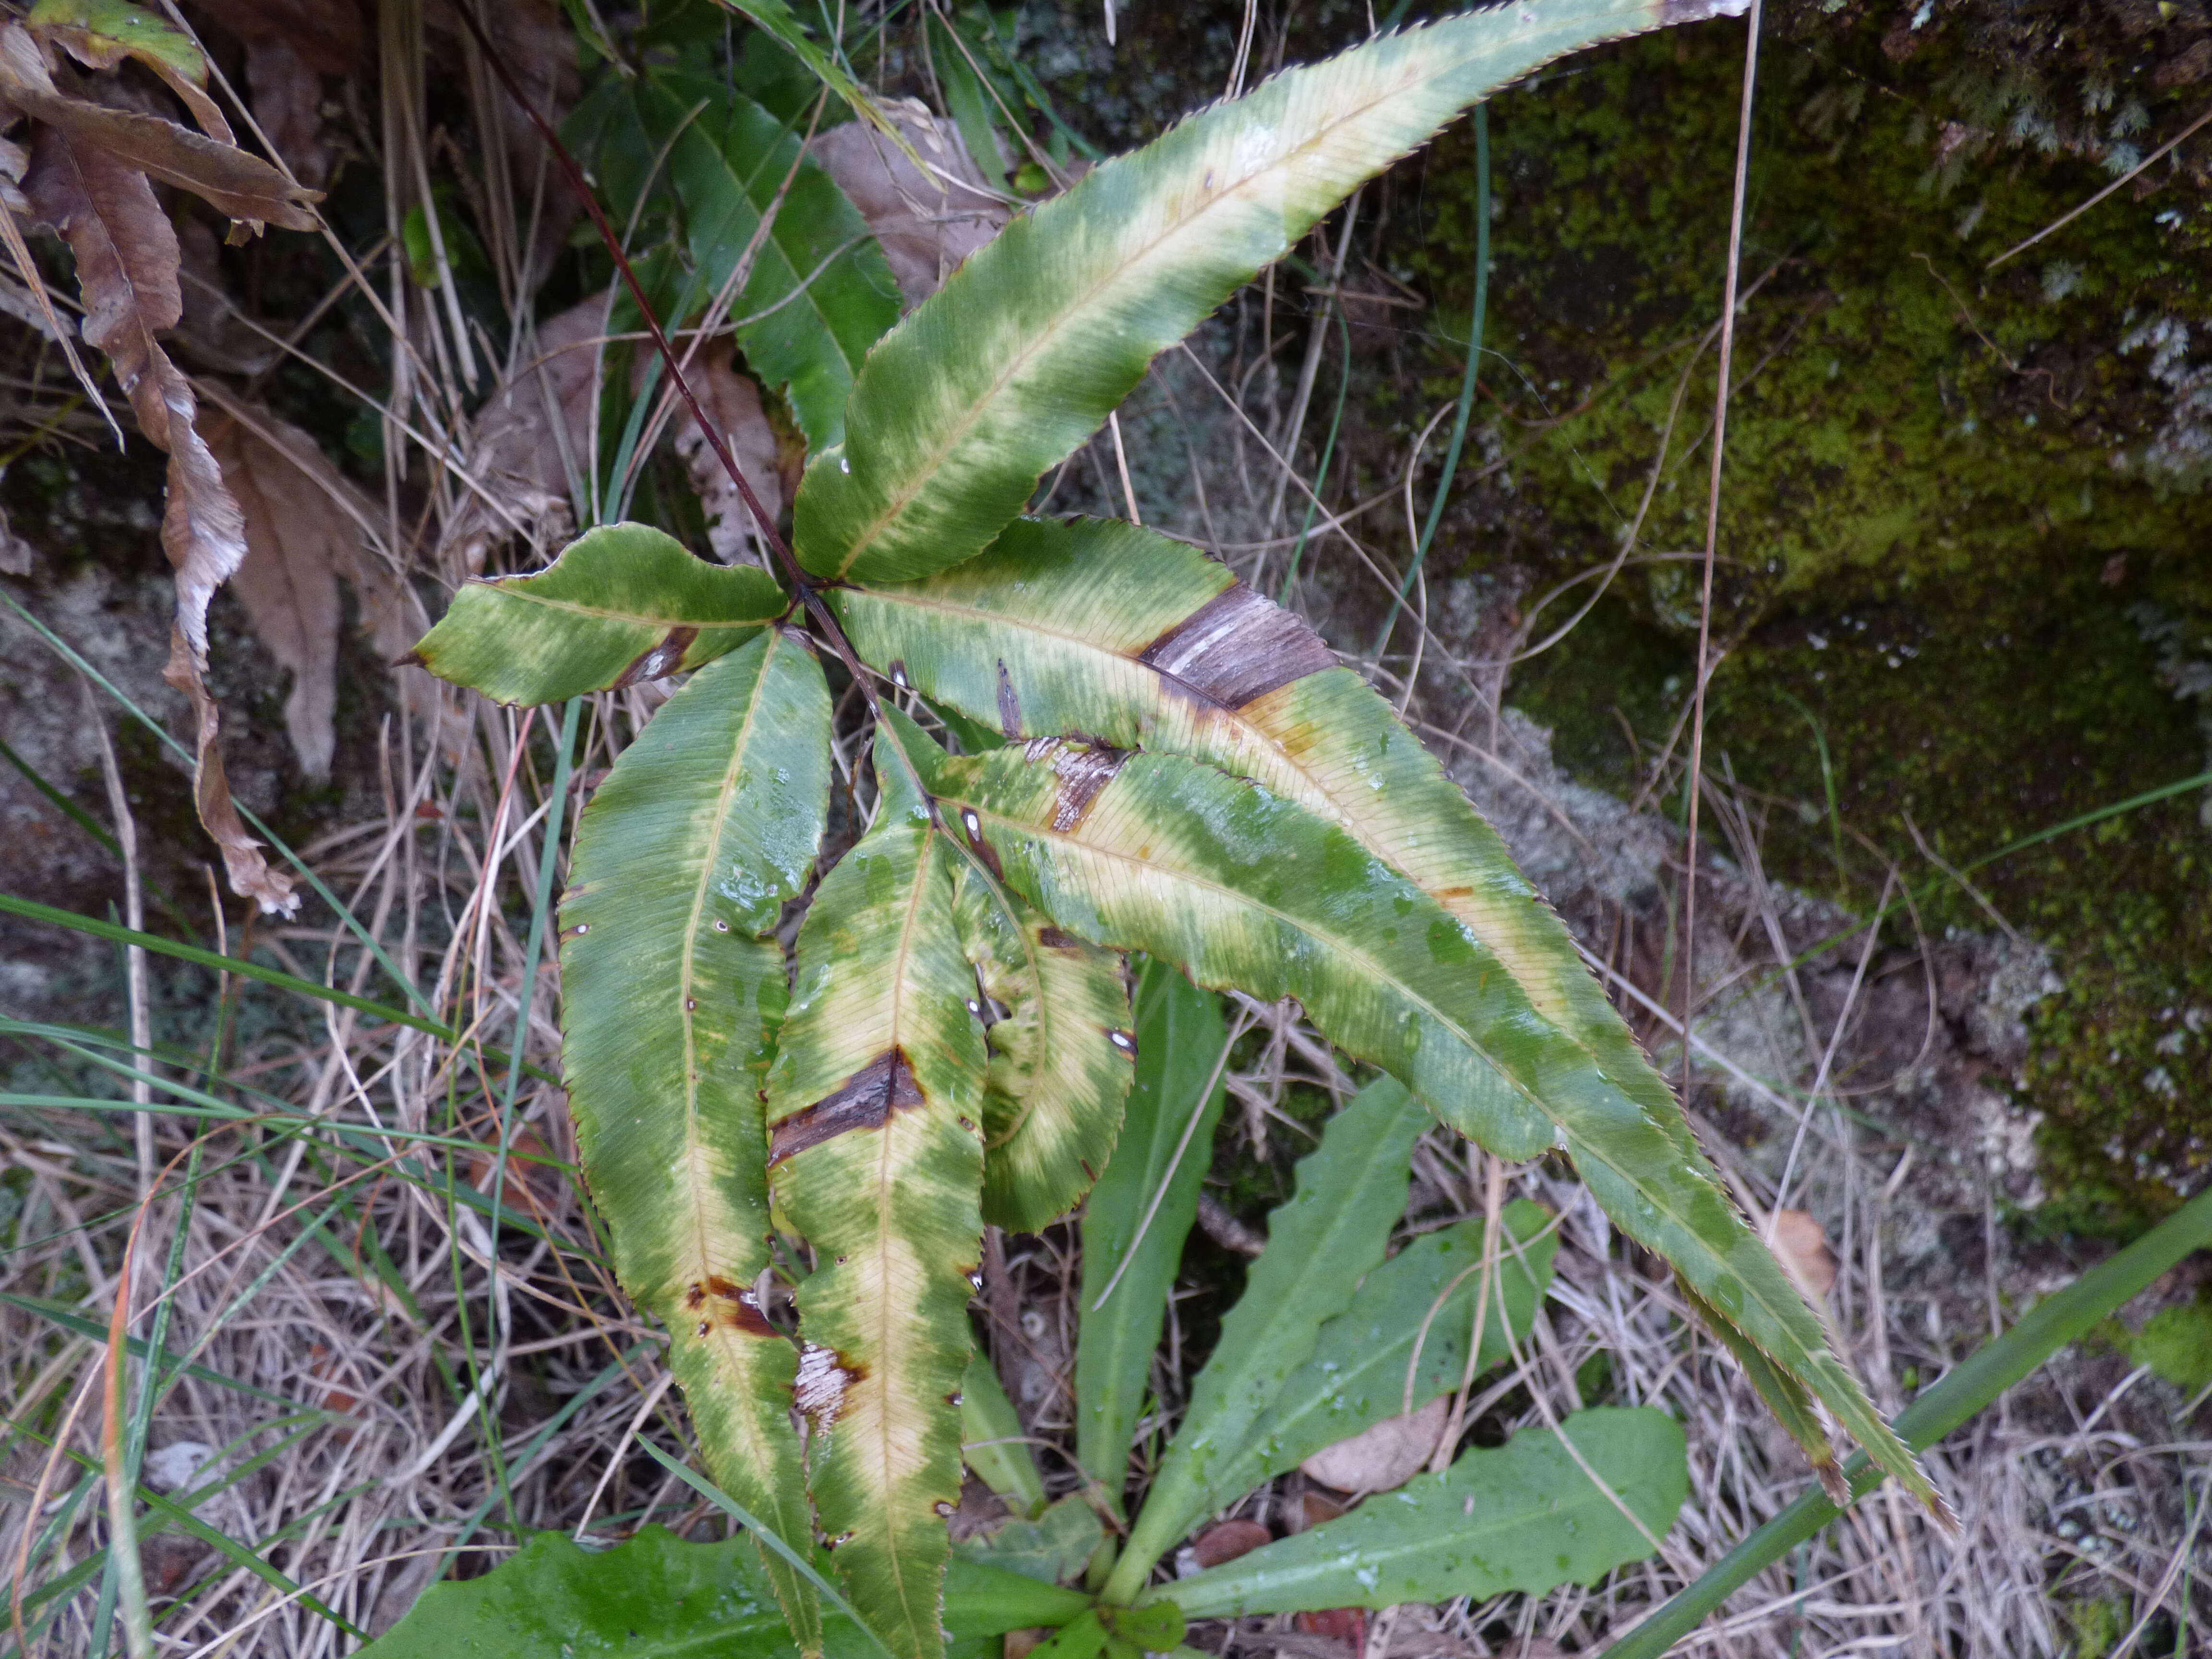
876,1156
1523,1516
1141,1211
1335,1229
1963,1393
623,603
1061,1054
31,910
674,985
1019,357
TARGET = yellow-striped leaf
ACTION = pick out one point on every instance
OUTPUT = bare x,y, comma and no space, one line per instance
1244,887
1101,627
1062,1053
623,603
875,1112
673,987
1021,355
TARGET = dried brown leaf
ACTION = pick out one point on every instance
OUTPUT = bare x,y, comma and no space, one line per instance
1802,1246
329,36
928,222
288,106
733,403
1345,1624
244,186
298,537
1383,1457
1228,1540
534,426
127,261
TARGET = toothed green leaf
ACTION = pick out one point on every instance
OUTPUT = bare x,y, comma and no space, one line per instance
1336,1227
876,1153
623,603
1061,1054
1021,355
1246,888
820,292
1524,1517
673,988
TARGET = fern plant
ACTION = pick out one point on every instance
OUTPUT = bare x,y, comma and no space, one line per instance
1151,756
1331,1337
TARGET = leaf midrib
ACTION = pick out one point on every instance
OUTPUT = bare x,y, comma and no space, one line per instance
959,429
887,1190
639,618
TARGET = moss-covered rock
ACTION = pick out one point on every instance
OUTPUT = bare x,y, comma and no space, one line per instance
1963,540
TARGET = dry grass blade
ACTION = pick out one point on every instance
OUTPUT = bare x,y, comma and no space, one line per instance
927,221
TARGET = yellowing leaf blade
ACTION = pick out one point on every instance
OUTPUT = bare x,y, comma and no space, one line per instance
1022,354
1062,1053
673,989
623,603
876,1153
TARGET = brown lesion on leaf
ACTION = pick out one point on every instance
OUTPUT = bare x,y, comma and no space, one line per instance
971,828
1235,648
825,1377
664,658
865,1101
1051,939
1010,705
717,1303
1082,773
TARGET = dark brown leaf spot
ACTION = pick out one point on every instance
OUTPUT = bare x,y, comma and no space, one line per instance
1237,647
1083,773
971,826
721,1304
865,1101
662,660
1010,706
1053,939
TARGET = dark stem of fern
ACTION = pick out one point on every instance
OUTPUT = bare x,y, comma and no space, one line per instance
808,592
